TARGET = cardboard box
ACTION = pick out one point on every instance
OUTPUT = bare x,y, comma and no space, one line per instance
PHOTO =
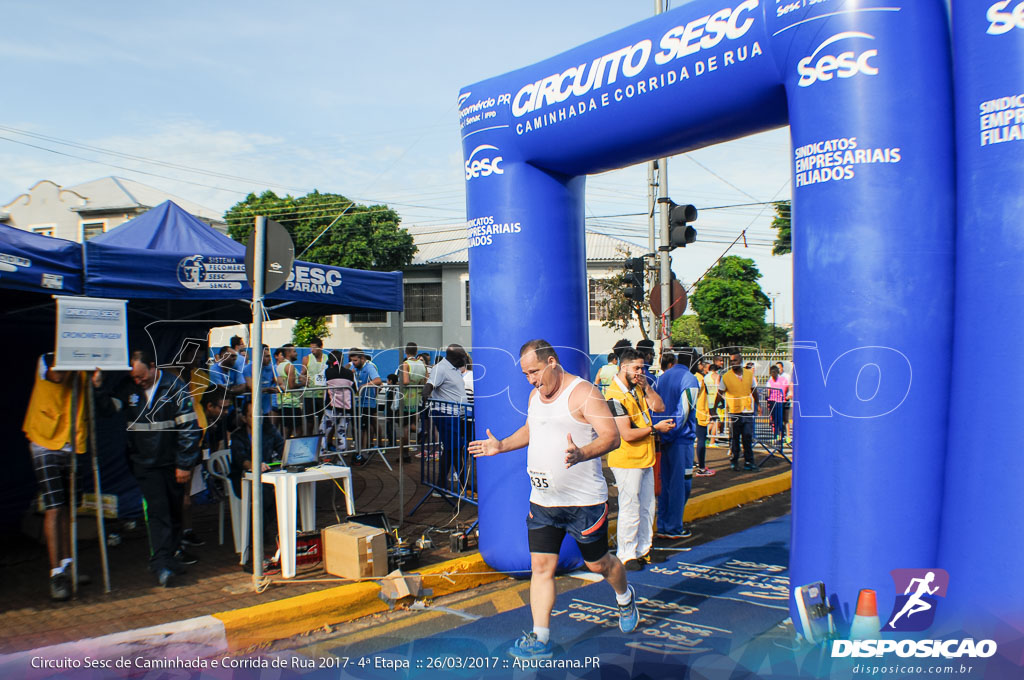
398,585
355,551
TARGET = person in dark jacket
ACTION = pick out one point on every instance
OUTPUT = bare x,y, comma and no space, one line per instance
163,447
241,458
241,446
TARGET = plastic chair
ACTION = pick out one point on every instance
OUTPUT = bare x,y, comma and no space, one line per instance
219,467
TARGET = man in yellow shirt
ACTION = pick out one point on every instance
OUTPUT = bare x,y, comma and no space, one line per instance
631,399
740,405
47,427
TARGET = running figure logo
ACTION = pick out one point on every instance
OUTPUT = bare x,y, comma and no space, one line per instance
914,610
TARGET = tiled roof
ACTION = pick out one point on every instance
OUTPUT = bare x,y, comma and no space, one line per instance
116,193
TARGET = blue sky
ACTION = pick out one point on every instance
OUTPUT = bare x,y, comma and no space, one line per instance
353,98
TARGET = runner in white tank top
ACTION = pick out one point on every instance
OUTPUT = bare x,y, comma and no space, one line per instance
554,484
568,428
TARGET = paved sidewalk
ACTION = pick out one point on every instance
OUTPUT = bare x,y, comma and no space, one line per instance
29,619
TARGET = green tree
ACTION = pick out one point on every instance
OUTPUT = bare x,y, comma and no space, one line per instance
781,224
686,333
774,336
342,233
357,236
730,303
309,327
620,312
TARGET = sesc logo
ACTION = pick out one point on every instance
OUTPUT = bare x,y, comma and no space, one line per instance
843,65
487,164
1003,22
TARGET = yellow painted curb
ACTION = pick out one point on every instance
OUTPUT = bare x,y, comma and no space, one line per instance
459,574
262,623
715,502
300,614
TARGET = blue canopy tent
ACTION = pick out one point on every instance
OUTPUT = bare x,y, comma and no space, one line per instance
32,269
182,277
173,266
173,269
35,263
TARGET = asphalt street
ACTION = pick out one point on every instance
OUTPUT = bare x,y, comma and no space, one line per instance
488,614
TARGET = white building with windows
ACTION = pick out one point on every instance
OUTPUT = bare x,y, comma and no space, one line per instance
437,299
79,212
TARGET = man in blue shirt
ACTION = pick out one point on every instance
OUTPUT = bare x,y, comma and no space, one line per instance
366,374
238,347
678,388
268,381
224,373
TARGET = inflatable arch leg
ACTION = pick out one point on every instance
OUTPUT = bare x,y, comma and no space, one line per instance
869,100
530,240
982,511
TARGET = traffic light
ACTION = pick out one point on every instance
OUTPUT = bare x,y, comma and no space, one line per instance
679,231
633,280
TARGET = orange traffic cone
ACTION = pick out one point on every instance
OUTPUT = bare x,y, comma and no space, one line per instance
866,625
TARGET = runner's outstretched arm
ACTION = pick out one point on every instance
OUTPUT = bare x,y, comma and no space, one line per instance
492,445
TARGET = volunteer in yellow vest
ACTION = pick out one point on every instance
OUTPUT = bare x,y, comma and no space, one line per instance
631,400
705,406
48,429
740,404
712,382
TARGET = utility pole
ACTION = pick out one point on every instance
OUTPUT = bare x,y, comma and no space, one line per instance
773,296
652,246
663,251
665,274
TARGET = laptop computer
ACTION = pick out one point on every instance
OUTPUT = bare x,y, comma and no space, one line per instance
300,453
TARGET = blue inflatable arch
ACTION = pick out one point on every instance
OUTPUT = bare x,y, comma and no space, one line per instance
867,91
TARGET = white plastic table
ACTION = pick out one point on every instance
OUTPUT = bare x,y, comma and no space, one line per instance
292,490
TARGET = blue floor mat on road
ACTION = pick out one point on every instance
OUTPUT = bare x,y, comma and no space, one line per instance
701,604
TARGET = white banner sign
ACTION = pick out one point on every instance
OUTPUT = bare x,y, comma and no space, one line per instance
91,333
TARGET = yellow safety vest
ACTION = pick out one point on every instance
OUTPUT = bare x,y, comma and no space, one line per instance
640,453
47,420
738,397
703,413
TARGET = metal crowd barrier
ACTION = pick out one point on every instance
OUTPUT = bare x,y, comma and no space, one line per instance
439,431
446,467
765,434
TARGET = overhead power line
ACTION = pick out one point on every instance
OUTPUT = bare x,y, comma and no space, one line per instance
735,241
